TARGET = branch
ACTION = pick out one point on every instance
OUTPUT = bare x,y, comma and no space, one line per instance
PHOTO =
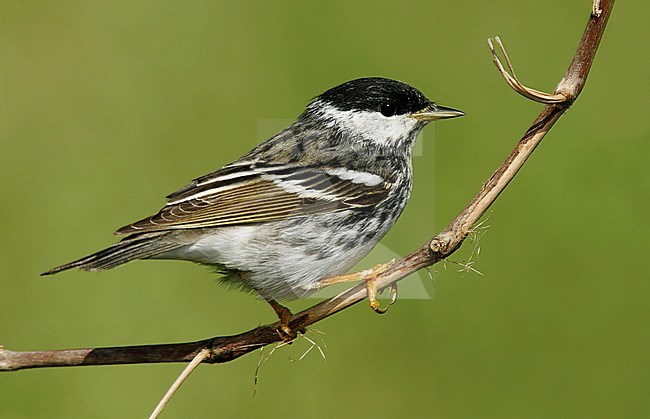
228,348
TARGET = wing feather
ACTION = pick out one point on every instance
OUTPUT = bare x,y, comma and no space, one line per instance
255,192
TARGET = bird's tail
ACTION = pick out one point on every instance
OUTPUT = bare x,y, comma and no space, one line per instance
131,248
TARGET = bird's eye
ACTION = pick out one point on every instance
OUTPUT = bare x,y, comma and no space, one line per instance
388,109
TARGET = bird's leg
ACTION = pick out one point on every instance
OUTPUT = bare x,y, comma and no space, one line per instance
284,314
369,276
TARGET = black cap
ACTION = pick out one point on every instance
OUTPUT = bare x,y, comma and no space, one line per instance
390,97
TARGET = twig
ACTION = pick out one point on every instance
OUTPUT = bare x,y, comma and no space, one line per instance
202,355
224,349
513,81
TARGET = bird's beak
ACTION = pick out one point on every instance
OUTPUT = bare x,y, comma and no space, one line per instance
433,112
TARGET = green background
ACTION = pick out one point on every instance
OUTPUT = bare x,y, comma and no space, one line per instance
105,107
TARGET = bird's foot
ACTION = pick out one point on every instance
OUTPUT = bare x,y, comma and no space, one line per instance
369,276
284,314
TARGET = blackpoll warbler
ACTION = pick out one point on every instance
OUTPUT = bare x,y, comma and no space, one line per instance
303,206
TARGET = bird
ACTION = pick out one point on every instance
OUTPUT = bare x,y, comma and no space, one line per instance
301,208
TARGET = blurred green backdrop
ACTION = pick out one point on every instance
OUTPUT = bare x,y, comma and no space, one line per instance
106,107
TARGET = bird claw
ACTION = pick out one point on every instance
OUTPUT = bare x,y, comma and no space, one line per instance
284,314
285,333
370,278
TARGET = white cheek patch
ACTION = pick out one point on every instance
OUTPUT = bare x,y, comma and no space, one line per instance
374,126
